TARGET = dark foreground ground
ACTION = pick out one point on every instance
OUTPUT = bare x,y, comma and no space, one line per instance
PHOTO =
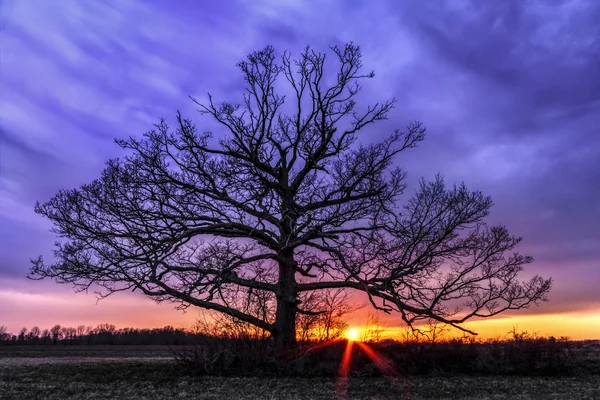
108,373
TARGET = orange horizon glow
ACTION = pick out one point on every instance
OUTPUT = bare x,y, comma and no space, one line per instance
352,334
575,326
27,309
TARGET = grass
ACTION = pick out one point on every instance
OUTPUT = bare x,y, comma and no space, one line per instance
150,380
452,371
60,351
531,357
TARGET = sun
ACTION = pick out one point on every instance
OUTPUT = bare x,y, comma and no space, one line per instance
352,334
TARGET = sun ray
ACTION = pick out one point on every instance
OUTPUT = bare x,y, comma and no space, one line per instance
385,365
341,385
310,348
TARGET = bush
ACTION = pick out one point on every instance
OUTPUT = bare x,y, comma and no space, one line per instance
225,356
527,356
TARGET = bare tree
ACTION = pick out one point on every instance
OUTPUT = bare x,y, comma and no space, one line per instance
45,336
435,331
81,332
323,314
335,304
22,335
34,334
373,329
407,335
69,334
285,188
4,335
56,333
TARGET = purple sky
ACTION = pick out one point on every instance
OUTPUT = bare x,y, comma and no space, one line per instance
509,91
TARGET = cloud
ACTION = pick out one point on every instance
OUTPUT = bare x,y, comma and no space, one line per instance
509,91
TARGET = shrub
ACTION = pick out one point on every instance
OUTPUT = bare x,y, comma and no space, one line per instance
523,356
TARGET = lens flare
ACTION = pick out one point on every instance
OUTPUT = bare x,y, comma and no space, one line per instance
385,366
341,384
352,334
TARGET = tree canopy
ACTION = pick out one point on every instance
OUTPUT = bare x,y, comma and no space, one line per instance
284,200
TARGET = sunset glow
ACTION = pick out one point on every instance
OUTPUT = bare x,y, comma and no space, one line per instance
36,306
288,200
532,147
352,334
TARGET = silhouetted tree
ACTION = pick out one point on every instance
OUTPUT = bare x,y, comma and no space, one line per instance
46,336
326,319
285,201
330,307
22,335
103,334
373,329
80,333
64,334
4,334
56,333
34,334
435,331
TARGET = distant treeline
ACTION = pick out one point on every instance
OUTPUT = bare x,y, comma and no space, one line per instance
102,334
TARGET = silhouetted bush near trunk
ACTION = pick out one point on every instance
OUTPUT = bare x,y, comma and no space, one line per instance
526,357
225,356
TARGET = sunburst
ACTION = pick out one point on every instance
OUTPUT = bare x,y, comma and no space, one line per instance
352,334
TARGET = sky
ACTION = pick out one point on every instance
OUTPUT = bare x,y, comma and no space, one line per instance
509,92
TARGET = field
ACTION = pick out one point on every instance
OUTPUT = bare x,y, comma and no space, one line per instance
147,372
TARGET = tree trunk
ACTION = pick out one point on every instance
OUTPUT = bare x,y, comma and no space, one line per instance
284,333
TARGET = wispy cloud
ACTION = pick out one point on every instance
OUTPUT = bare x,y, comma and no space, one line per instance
509,91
